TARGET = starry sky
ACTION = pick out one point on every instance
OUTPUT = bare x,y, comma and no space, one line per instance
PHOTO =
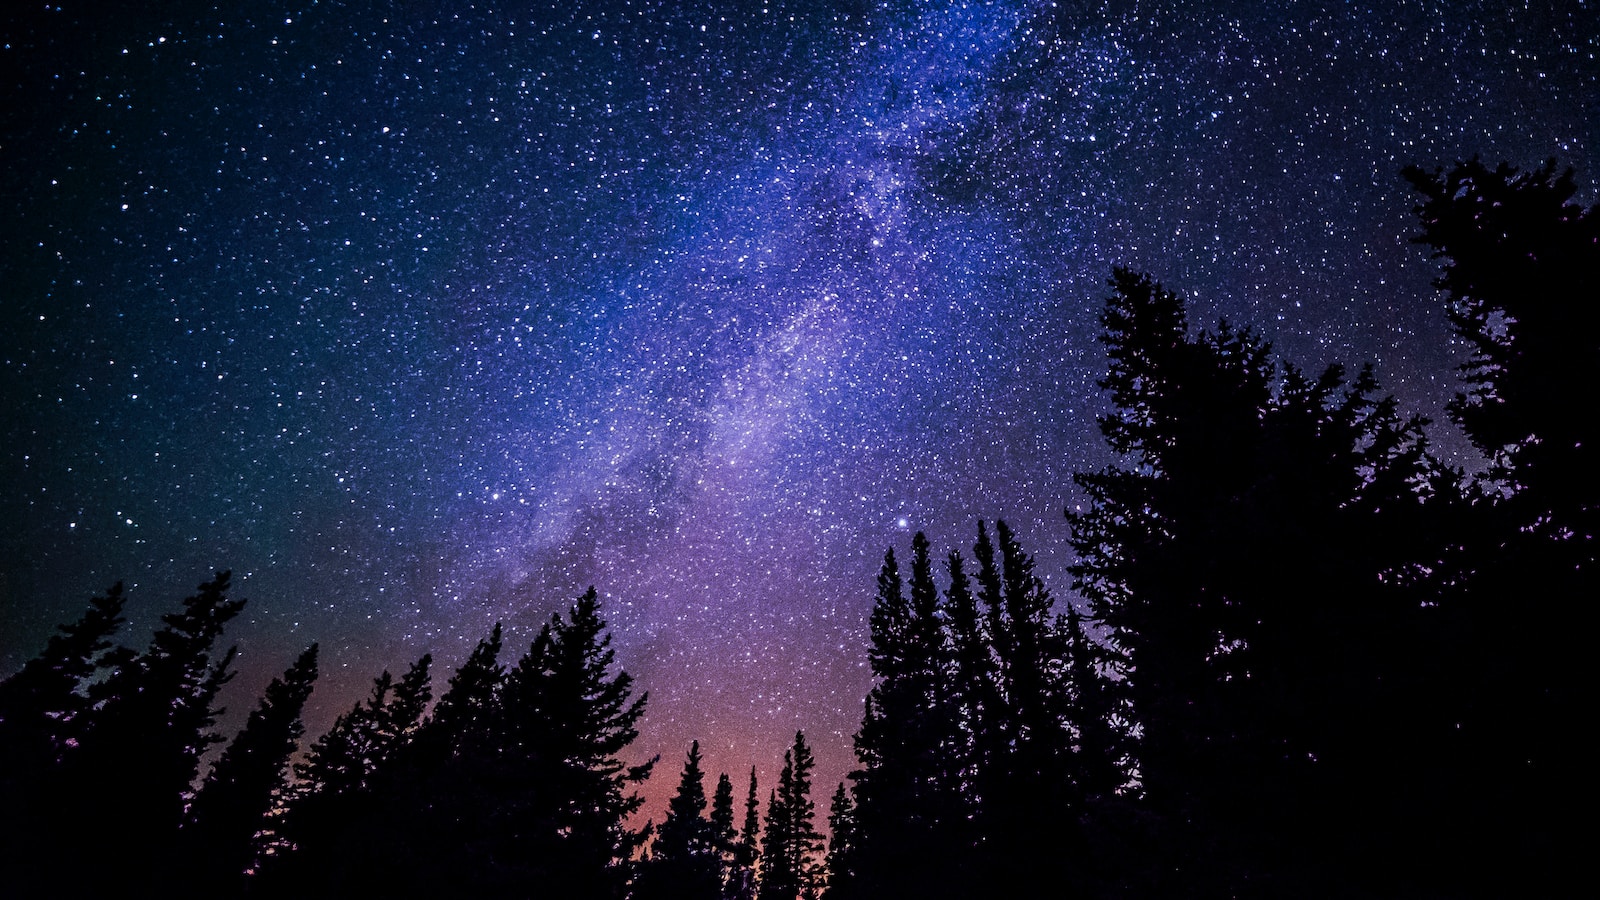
425,316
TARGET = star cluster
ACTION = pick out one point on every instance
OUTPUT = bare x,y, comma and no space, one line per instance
424,318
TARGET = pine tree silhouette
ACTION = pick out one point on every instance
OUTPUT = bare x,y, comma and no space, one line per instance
44,714
149,726
685,862
790,865
569,716
1521,271
723,835
842,834
742,883
914,812
1246,478
231,807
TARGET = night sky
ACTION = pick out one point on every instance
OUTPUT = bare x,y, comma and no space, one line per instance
425,316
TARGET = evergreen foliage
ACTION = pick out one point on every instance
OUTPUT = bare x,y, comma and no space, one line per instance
842,831
1259,509
45,711
723,835
741,883
790,864
686,859
230,810
1521,278
152,716
513,783
976,748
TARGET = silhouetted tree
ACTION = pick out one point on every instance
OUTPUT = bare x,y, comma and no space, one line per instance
913,810
741,883
512,785
1522,269
685,860
569,718
1521,276
723,834
44,714
1260,507
336,818
842,833
150,724
231,806
789,858
364,739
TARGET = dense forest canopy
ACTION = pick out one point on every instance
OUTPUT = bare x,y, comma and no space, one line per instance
1299,656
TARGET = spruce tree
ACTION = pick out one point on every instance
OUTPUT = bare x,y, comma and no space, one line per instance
231,806
778,878
151,723
741,883
1245,478
685,861
1520,274
842,833
1522,267
44,713
569,716
913,807
336,824
723,835
790,864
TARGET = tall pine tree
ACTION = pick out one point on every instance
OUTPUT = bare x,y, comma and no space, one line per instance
685,861
1258,508
230,810
789,869
139,755
1521,276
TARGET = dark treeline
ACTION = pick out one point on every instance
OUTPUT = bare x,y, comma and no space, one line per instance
1304,658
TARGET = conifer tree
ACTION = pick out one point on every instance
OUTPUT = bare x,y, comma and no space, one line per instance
569,716
789,868
995,732
724,837
741,883
913,808
778,878
842,833
722,830
364,739
1245,477
41,705
970,680
44,713
232,804
138,758
685,860
1101,752
468,710
336,819
1521,271
1522,267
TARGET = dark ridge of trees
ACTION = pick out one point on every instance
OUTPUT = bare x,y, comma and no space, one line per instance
1304,659
514,781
